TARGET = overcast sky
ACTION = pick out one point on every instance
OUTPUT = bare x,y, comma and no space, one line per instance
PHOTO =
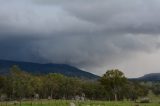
94,35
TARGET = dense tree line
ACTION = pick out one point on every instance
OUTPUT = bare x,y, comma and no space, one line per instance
111,86
156,88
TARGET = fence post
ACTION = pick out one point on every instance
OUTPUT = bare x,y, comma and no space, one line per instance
31,102
20,102
41,101
6,103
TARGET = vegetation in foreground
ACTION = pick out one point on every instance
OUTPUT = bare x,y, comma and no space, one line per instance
112,86
77,103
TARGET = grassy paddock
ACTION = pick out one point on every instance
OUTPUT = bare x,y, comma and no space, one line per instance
67,102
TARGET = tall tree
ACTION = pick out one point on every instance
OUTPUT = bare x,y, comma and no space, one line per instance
1,84
52,83
113,80
20,82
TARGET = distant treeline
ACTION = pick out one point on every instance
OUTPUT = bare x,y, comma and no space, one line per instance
111,86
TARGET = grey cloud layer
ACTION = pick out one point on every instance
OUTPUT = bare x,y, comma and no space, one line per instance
85,33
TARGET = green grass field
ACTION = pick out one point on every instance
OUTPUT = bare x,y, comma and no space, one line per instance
67,103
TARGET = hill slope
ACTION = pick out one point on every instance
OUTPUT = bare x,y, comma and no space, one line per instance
154,77
37,68
150,77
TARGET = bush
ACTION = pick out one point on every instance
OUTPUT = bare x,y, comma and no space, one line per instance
144,100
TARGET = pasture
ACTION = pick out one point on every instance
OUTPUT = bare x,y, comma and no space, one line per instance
77,103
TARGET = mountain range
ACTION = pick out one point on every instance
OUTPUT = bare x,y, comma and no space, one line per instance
37,68
150,77
68,70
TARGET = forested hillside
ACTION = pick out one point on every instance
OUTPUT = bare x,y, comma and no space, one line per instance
37,68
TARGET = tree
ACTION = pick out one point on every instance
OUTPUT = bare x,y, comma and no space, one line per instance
70,87
156,88
94,90
52,83
37,85
1,84
20,82
113,80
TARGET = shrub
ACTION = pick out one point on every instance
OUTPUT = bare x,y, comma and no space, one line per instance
144,100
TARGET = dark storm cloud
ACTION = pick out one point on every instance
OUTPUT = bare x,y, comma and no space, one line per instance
115,16
85,33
